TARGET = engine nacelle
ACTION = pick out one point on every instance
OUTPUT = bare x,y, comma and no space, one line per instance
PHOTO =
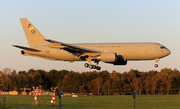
108,57
112,58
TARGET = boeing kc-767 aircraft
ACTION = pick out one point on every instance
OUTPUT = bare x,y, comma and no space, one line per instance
112,53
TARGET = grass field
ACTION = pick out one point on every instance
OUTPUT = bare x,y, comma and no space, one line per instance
96,102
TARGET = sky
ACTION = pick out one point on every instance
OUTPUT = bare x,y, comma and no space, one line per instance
90,21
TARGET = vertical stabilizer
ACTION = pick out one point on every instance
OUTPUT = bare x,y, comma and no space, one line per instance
34,37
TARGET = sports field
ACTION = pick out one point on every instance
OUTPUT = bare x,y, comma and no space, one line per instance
95,102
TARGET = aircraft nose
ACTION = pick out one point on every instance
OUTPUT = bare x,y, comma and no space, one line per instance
168,52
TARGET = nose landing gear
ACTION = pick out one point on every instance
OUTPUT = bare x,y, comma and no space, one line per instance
156,65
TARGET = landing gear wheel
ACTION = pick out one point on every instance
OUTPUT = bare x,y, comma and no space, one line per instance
91,66
156,65
86,65
98,67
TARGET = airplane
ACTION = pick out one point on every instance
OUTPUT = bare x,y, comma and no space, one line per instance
112,53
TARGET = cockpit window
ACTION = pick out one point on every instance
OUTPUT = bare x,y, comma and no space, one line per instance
163,47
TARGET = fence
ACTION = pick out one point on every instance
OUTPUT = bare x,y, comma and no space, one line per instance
103,92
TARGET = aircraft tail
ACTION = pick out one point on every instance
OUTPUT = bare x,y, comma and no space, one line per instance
33,36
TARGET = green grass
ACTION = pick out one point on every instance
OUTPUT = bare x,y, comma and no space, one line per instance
97,102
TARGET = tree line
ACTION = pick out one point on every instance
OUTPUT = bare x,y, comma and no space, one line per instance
98,82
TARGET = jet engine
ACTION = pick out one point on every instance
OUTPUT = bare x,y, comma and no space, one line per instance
108,57
112,58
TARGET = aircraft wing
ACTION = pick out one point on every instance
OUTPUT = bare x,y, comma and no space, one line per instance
73,48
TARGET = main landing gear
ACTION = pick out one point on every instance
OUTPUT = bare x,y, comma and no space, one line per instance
156,65
92,66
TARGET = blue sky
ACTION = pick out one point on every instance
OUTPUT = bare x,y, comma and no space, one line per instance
89,21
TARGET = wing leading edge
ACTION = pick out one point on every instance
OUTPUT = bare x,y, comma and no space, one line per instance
72,48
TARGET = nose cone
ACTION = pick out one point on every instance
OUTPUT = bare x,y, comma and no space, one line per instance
168,52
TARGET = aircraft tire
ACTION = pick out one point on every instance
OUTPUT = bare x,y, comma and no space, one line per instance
91,66
98,67
86,65
156,65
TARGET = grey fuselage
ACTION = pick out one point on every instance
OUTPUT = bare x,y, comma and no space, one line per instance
129,51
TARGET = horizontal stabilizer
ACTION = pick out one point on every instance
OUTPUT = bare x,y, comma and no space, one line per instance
27,48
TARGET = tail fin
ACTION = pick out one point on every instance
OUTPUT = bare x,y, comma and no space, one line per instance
34,37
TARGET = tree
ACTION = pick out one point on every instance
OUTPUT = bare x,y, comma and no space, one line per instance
106,87
2,81
148,85
154,83
127,89
70,82
14,79
99,82
95,85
